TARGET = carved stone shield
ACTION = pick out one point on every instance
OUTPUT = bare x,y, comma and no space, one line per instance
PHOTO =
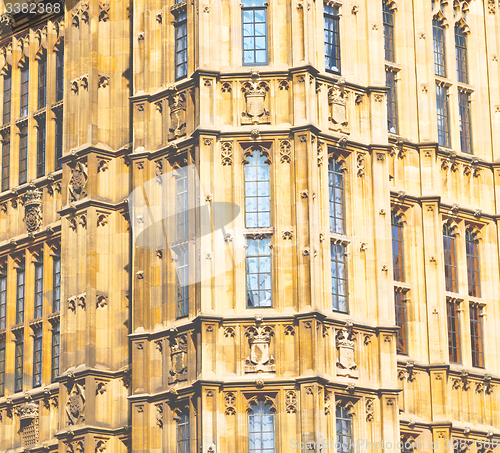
255,105
339,114
259,354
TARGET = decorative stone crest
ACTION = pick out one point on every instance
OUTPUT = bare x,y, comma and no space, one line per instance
260,359
29,420
345,346
33,210
337,102
177,104
75,407
178,356
78,181
255,111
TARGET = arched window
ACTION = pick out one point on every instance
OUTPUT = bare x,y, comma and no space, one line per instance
461,54
257,191
42,80
397,248
60,72
25,78
332,38
439,48
261,428
450,259
344,439
7,95
183,433
388,13
472,252
336,196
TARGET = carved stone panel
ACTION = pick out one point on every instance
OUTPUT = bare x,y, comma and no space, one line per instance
260,358
337,106
75,407
33,210
346,366
78,181
178,356
177,104
255,96
29,419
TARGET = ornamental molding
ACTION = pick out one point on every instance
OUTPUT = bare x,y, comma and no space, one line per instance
255,109
260,358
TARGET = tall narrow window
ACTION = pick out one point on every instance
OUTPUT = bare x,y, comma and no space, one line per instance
339,277
401,322
56,334
40,148
42,81
392,102
59,140
465,122
7,95
461,53
2,367
450,259
5,162
336,196
397,248
254,21
258,263
20,295
476,336
19,363
388,31
453,332
56,283
25,77
344,430
60,72
257,191
443,115
181,45
472,252
3,302
39,288
183,433
23,155
332,38
439,48
182,247
37,358
261,428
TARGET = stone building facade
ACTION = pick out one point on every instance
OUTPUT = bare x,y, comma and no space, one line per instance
250,226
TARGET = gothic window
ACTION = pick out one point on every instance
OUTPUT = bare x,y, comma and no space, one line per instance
465,122
56,283
7,95
401,322
181,45
42,80
258,264
5,162
40,148
461,54
397,248
439,48
2,367
56,333
182,266
254,23
257,191
339,277
182,244
183,433
23,155
392,102
332,38
453,331
261,427
443,115
3,301
60,72
476,336
19,363
388,13
25,74
344,429
59,140
39,288
37,358
472,252
336,196
450,259
20,295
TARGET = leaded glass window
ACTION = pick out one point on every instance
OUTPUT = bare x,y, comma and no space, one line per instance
401,322
443,115
19,363
453,331
258,264
23,155
59,140
450,259
254,23
261,428
42,80
20,295
60,72
56,283
2,367
344,429
332,38
439,48
472,252
388,13
3,302
56,340
39,288
257,191
476,336
25,74
397,248
461,54
183,433
465,122
339,277
37,358
182,244
7,96
181,51
5,162
40,148
392,102
336,196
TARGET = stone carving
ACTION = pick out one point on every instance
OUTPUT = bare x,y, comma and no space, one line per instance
328,402
7,22
473,168
178,356
75,407
33,210
450,162
255,111
291,401
78,181
229,332
80,14
370,409
177,104
103,11
360,161
492,7
230,403
337,101
226,153
260,359
159,415
345,346
285,151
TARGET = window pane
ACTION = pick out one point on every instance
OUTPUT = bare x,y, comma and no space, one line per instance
258,268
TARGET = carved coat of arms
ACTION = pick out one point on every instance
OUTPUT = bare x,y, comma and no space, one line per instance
346,366
75,407
255,95
178,356
177,104
33,210
78,182
337,101
260,359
